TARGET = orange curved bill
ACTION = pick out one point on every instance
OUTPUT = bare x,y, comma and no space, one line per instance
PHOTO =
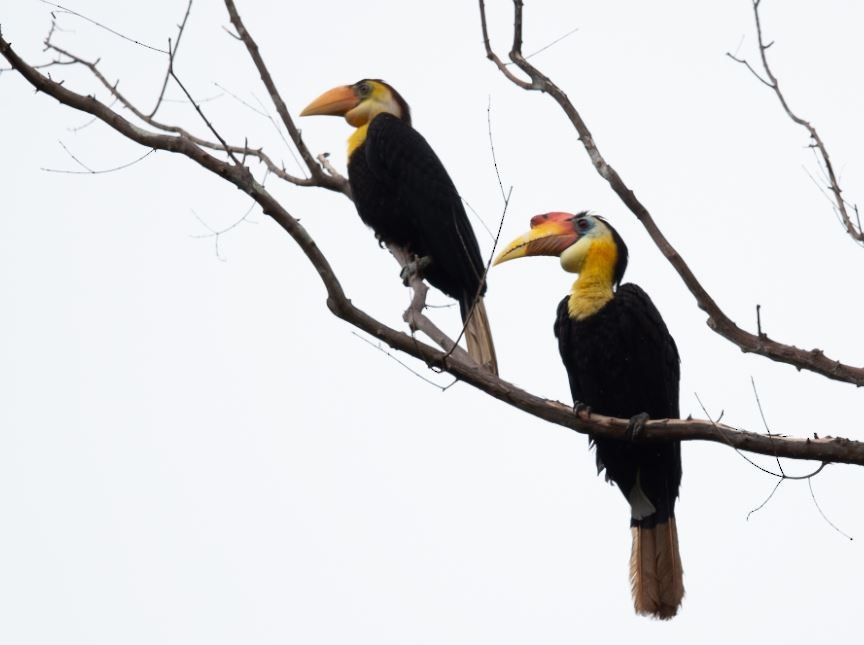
335,102
550,234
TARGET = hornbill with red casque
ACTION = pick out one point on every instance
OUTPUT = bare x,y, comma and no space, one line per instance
403,192
621,362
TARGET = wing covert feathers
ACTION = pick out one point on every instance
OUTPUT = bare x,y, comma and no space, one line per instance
478,336
656,578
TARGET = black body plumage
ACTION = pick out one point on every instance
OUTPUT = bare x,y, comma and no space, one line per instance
403,192
622,361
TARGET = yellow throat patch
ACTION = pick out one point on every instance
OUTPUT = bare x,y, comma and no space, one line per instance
593,289
357,138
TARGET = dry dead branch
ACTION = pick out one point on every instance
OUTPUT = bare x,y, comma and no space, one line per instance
210,156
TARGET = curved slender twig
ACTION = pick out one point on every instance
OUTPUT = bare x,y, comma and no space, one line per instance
839,203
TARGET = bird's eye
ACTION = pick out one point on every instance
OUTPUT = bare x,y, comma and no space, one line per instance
363,89
582,224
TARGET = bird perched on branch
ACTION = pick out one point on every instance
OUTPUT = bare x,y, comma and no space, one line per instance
403,192
621,362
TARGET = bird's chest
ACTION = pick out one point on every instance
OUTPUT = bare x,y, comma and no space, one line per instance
597,355
377,200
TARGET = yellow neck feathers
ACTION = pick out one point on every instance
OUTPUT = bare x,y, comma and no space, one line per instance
379,100
593,289
357,138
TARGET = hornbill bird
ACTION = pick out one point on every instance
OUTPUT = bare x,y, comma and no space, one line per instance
621,362
403,192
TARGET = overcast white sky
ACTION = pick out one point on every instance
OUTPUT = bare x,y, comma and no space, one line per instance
193,450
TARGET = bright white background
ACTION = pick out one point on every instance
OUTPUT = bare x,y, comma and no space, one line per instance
193,450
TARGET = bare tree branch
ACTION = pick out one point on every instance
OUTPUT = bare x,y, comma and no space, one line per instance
813,360
826,449
149,120
321,178
171,56
840,204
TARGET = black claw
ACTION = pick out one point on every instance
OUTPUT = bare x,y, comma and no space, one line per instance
415,267
578,406
406,273
636,424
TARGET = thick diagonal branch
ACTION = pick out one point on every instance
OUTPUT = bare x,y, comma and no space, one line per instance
825,449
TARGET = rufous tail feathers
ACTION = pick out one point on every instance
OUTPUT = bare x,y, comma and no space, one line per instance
478,335
656,578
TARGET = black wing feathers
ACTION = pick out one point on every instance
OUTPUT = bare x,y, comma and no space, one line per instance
622,361
422,209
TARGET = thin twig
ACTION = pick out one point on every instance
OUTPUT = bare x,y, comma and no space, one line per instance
74,158
782,476
747,64
53,63
320,177
764,421
101,26
770,80
492,150
478,218
253,152
206,99
89,171
171,60
506,198
217,234
767,499
200,112
722,432
288,145
262,111
822,513
381,349
482,284
554,42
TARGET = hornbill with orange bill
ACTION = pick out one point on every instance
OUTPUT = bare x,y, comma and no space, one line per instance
403,192
621,362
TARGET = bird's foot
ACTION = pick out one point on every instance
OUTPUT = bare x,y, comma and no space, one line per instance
415,268
578,406
636,424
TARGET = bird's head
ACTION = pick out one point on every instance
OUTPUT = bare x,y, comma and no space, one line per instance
360,103
574,239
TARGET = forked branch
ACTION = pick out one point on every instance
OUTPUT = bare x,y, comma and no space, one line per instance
823,450
322,178
841,206
813,360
